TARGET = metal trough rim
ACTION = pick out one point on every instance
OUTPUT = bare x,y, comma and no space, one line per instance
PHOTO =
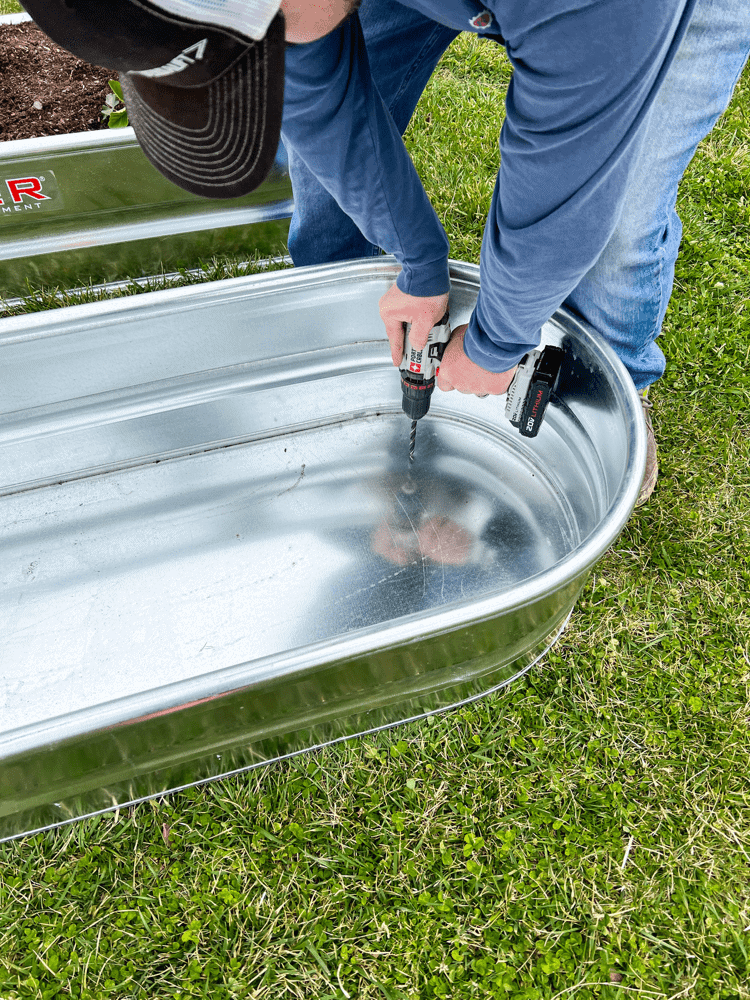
312,747
15,18
121,285
360,642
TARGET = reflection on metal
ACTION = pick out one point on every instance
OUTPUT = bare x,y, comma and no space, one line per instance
146,282
94,209
215,554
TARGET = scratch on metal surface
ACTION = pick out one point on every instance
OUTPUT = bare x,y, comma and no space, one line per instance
375,584
439,539
299,478
57,616
416,536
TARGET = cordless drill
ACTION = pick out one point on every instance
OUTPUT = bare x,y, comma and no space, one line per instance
529,393
418,370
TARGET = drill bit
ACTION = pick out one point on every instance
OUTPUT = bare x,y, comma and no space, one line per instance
412,441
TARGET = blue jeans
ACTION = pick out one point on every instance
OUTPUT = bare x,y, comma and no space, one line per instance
625,295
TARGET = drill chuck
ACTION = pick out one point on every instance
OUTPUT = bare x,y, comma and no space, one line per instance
415,396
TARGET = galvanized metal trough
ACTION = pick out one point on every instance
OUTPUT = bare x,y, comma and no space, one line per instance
215,552
89,207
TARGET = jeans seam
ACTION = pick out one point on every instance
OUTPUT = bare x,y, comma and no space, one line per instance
661,255
737,79
413,68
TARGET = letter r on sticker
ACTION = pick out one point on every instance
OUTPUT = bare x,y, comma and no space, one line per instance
20,186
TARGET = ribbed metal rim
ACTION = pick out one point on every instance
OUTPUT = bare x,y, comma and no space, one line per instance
15,18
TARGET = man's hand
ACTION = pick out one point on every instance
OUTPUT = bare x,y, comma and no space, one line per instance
458,372
422,312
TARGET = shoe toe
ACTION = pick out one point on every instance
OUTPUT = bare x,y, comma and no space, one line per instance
652,465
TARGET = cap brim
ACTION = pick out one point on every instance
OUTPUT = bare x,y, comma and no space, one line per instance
218,140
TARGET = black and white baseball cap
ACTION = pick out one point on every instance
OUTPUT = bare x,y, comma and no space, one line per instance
203,80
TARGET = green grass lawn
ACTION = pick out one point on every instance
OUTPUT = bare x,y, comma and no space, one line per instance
10,7
584,834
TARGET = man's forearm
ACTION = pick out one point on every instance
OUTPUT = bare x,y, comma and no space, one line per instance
337,123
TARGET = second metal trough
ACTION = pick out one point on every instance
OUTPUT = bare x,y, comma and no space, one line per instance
89,207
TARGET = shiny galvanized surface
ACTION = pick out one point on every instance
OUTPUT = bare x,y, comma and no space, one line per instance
108,214
214,549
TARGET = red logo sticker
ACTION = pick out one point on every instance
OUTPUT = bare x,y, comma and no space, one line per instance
20,186
481,21
415,367
27,194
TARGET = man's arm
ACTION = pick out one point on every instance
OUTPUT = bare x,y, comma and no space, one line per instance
584,79
585,75
337,123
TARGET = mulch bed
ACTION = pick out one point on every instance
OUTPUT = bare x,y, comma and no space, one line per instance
35,72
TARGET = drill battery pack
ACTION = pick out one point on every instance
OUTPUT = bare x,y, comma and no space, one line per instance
532,387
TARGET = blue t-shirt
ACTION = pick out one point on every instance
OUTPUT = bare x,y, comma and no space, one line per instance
585,73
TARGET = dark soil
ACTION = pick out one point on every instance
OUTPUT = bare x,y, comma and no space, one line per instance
34,71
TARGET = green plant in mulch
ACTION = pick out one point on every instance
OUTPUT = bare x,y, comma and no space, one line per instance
114,111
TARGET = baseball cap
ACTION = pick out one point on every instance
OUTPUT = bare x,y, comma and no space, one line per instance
203,80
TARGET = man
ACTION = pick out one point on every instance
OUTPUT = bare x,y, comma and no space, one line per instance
625,292
586,78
